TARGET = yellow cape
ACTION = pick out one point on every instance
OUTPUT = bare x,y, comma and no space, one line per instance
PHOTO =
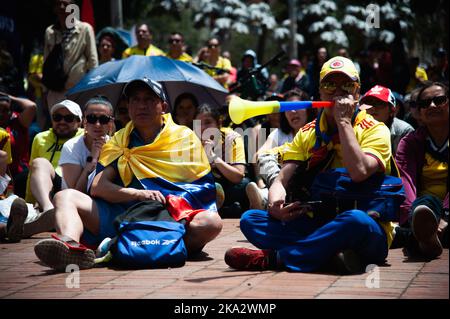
176,155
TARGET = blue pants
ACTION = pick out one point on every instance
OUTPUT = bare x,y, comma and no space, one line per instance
306,244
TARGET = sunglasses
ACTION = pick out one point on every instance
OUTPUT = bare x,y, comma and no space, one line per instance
437,100
69,118
212,46
331,87
93,119
174,40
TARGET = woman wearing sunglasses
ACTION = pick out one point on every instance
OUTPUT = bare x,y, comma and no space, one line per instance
79,155
422,157
77,161
213,58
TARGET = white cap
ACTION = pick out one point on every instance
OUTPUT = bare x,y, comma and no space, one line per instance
73,108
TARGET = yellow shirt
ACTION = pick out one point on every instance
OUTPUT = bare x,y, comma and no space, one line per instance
47,145
237,154
222,63
35,67
184,57
36,64
151,51
372,136
434,177
420,75
5,144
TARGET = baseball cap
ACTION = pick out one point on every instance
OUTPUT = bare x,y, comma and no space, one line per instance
379,92
339,64
73,108
295,62
153,85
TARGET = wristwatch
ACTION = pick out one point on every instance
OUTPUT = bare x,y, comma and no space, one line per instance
89,159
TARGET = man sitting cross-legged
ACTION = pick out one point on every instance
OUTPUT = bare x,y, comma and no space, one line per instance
141,162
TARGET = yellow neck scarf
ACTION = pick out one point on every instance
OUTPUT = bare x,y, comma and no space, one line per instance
175,155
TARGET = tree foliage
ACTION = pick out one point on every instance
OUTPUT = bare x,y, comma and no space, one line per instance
264,25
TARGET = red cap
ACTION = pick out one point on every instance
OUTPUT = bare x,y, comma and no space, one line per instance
381,93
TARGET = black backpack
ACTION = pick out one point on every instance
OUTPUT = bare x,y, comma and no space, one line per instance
53,75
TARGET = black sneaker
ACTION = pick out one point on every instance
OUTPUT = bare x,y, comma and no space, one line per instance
425,230
17,216
347,263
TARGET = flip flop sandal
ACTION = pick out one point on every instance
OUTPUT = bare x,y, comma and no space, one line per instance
56,254
18,215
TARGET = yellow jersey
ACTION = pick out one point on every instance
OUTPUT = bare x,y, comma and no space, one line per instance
151,51
373,137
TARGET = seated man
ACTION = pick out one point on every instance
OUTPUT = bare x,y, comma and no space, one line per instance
141,162
380,103
45,175
288,237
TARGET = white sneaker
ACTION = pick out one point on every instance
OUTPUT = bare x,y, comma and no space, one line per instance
256,196
103,254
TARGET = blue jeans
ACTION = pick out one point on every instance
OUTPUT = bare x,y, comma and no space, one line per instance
307,244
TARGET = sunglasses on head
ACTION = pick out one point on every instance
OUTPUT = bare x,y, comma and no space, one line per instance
68,118
103,119
437,100
331,87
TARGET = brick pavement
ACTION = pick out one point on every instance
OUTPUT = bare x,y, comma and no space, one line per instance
21,276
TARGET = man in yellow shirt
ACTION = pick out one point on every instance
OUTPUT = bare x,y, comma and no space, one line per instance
290,238
176,48
144,39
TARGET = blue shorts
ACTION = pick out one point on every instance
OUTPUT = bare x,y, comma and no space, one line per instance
107,212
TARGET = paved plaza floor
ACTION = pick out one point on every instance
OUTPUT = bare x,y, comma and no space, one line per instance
22,276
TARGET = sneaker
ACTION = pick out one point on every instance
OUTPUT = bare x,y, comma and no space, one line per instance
425,230
347,262
220,195
250,259
103,248
255,196
103,254
57,255
16,220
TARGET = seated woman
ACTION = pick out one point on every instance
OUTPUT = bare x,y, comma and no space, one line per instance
290,124
78,161
184,110
225,151
422,158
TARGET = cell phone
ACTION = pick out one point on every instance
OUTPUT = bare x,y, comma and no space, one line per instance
313,203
